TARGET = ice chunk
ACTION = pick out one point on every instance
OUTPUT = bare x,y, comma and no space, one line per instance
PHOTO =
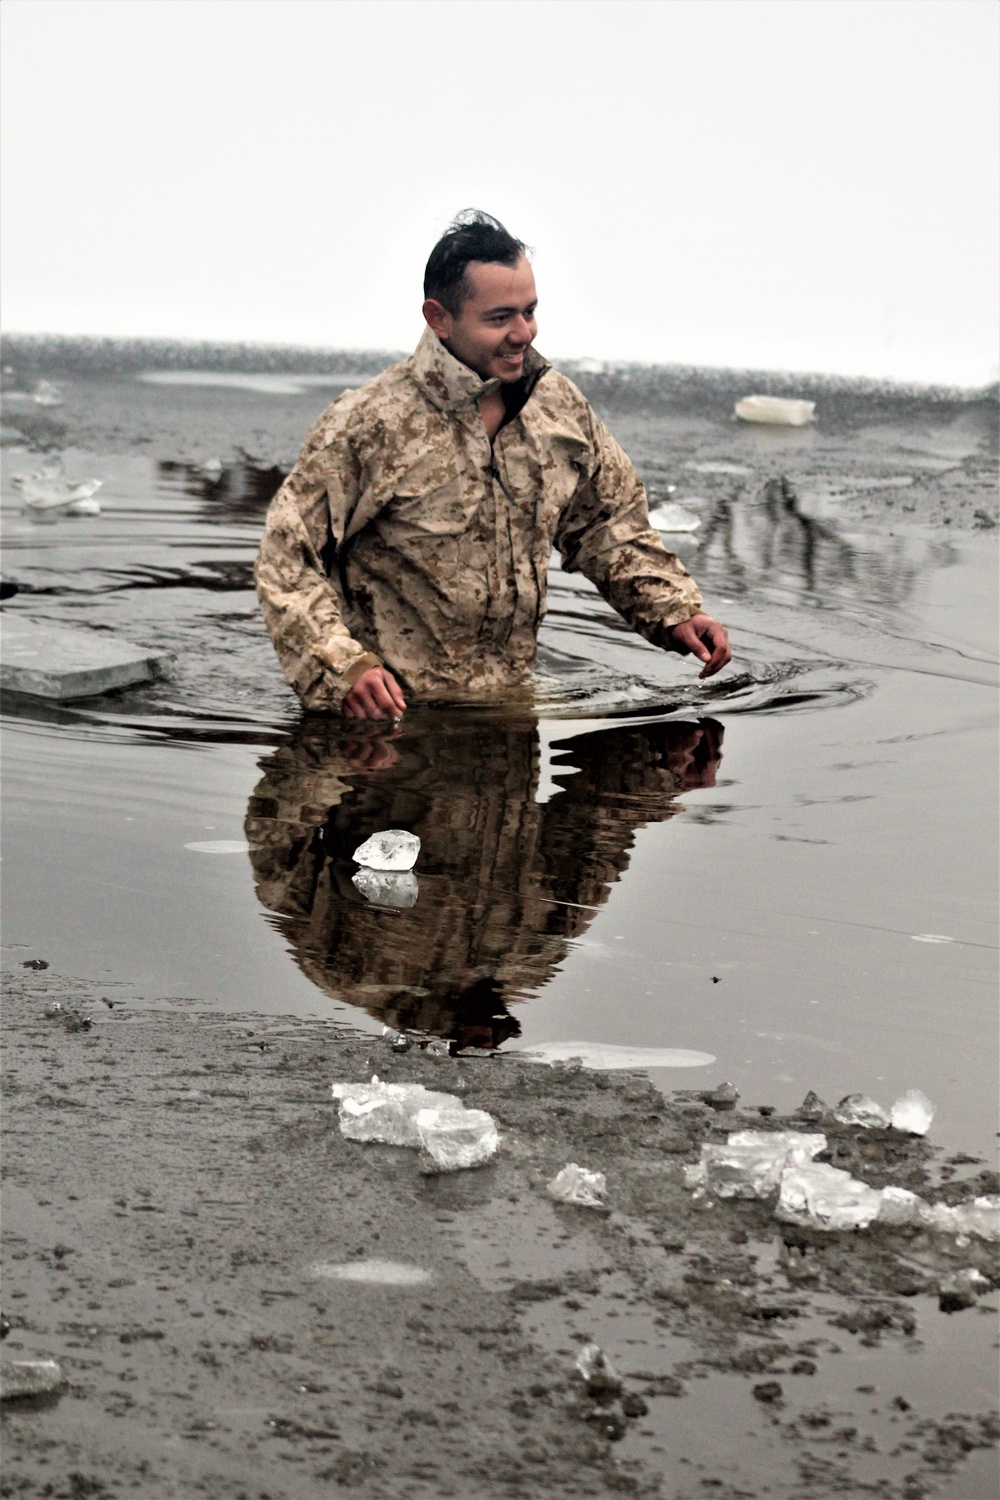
912,1112
599,1374
392,849
29,1377
47,490
777,411
394,888
751,1162
858,1109
386,1112
812,1107
219,846
670,517
47,394
457,1137
575,1184
826,1198
900,1208
723,1096
977,1216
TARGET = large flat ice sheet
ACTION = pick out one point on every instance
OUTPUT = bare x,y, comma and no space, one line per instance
50,661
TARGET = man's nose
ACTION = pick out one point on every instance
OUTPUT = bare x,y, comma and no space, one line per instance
521,332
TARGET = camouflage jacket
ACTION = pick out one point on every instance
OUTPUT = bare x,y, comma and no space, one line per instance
403,538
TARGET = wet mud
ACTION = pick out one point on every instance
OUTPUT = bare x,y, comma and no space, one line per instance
181,1184
783,869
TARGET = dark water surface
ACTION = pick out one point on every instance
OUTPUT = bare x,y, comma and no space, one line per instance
791,868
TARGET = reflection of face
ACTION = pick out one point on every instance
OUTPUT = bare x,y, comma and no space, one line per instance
496,323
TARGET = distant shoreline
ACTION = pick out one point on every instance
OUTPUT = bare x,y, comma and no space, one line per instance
87,355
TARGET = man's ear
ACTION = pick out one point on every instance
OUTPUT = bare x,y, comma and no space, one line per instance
439,319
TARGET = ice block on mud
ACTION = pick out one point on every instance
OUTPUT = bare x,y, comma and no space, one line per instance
51,661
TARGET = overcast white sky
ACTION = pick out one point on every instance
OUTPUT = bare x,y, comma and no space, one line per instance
784,184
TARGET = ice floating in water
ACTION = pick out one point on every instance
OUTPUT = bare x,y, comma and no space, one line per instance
826,1198
455,1137
407,1114
751,1162
219,846
29,1377
858,1109
47,394
673,518
605,1055
392,849
374,1272
912,1112
395,888
48,491
575,1184
899,1207
776,411
977,1216
931,937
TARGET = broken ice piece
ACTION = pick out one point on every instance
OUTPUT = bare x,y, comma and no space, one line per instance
912,1112
392,849
826,1198
455,1137
775,411
575,1184
47,394
398,889
858,1109
29,1377
671,517
599,1374
812,1107
751,1162
386,1112
900,1208
977,1216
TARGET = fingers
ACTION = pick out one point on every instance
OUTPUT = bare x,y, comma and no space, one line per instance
721,654
375,695
706,639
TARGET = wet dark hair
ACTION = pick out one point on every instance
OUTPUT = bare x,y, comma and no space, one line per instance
471,236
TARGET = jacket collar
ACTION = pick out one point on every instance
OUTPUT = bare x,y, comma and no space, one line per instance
449,384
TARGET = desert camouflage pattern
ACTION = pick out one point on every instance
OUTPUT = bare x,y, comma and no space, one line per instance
403,538
506,883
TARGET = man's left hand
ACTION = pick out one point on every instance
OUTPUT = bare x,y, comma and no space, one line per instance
706,639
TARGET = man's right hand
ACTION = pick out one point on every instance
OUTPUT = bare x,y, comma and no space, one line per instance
375,695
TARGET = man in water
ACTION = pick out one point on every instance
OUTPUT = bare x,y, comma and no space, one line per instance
406,553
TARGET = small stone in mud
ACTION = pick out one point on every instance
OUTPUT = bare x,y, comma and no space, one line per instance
961,1289
803,1367
611,1421
725,1096
35,963
768,1391
634,1406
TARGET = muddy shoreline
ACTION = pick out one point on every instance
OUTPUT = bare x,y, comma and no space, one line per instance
177,1175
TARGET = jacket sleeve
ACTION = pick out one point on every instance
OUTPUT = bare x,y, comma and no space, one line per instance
604,533
301,608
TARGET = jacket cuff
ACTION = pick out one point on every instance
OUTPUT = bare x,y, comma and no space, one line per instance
358,667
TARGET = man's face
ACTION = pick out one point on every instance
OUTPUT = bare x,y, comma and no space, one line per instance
496,323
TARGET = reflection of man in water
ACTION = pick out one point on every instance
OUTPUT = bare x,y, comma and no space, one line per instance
505,882
407,551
